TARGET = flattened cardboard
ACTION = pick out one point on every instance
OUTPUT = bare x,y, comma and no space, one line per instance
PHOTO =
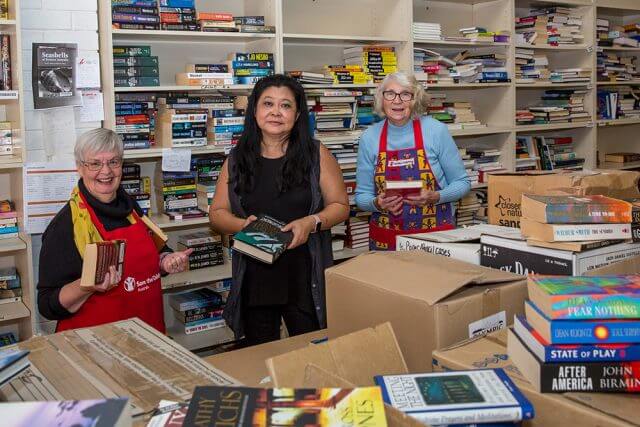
551,409
344,356
422,296
248,364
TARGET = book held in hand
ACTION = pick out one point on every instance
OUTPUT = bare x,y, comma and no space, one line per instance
12,362
402,188
98,257
257,407
263,239
593,209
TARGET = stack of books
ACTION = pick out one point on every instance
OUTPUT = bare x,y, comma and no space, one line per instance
580,334
357,231
131,107
558,106
365,115
550,25
462,67
216,22
570,75
10,288
618,103
135,15
207,249
480,34
486,160
178,15
469,163
622,157
457,115
466,209
253,24
333,111
427,31
205,75
138,187
431,67
208,171
527,157
8,220
176,196
248,68
348,74
198,310
135,60
181,127
6,139
531,67
377,61
575,218
551,153
310,77
616,68
617,35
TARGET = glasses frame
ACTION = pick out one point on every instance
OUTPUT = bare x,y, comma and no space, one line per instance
398,95
109,163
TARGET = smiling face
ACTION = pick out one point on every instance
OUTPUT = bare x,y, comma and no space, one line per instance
276,112
398,112
102,183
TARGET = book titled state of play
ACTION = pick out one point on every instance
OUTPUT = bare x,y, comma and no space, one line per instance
263,239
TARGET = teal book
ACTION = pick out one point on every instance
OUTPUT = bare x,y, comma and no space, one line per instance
263,239
586,297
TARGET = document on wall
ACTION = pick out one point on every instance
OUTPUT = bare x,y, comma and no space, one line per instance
92,109
47,187
88,67
59,129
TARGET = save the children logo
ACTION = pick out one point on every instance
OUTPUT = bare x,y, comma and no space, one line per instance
129,284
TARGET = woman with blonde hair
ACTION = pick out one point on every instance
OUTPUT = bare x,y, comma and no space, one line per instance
407,146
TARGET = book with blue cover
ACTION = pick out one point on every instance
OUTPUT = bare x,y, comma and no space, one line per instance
582,331
12,362
455,397
557,353
586,297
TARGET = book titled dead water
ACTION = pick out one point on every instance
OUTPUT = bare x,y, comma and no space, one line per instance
263,239
54,75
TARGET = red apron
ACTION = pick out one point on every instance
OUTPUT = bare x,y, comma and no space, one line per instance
139,293
406,164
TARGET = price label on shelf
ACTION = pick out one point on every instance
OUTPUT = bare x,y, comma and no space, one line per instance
589,49
8,94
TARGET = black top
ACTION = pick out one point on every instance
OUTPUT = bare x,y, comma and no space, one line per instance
287,280
60,262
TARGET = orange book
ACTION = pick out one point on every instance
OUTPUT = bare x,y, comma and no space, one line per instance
214,16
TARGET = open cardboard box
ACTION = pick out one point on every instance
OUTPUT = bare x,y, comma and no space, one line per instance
431,301
348,361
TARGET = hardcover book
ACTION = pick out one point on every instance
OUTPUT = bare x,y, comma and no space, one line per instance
12,362
582,331
573,232
586,297
255,407
98,257
547,352
114,412
618,377
402,188
263,239
594,209
480,396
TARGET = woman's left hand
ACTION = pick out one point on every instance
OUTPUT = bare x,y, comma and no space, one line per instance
176,262
301,229
426,197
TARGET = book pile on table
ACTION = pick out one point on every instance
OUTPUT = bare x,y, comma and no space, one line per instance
554,26
198,310
134,66
627,35
580,334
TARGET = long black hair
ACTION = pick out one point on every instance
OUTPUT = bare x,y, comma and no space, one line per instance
300,152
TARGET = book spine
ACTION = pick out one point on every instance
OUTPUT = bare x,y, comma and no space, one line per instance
605,332
595,306
5,60
573,232
204,327
195,304
204,320
592,353
618,377
209,315
588,214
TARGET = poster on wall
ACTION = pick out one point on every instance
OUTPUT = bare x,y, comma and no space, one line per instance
54,75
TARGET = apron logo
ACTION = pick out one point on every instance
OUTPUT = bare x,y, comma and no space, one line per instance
399,163
129,284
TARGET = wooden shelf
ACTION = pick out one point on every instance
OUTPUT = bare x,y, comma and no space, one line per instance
13,311
10,162
549,85
552,126
12,245
199,340
618,122
628,82
480,131
9,95
458,44
334,39
581,46
619,166
153,153
620,48
465,85
8,22
166,224
188,36
176,88
199,276
339,86
631,7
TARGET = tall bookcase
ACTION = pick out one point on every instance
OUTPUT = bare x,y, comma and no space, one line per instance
16,317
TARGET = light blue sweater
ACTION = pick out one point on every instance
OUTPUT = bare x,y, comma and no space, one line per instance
442,153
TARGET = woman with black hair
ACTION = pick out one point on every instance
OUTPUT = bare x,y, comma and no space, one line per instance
278,169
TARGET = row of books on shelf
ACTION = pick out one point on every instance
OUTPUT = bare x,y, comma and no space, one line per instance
201,309
463,67
612,67
533,67
546,153
181,15
8,220
10,286
554,26
432,31
456,114
612,35
557,106
618,103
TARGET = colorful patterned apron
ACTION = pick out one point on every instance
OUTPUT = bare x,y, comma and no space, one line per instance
406,164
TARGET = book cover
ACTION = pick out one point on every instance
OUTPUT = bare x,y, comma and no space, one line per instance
618,377
195,299
12,362
263,239
594,209
573,232
98,257
100,412
255,407
548,352
485,395
582,331
402,188
586,297
54,75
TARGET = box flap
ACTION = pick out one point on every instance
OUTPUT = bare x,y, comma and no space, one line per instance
628,266
416,274
623,406
524,173
343,356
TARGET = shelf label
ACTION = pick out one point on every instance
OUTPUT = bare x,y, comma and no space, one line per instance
215,87
8,94
590,124
589,49
589,86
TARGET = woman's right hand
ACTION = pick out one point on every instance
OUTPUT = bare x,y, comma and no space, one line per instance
392,204
111,280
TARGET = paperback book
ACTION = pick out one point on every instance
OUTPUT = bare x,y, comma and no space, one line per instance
402,188
263,239
573,232
98,258
593,209
114,412
12,363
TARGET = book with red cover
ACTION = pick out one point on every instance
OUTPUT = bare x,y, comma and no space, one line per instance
402,188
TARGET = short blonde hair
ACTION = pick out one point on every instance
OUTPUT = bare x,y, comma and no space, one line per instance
97,141
408,82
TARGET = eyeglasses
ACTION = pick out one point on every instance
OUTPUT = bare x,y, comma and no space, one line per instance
95,165
390,95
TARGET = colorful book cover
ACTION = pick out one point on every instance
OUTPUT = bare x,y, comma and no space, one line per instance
583,331
485,395
255,407
263,239
101,412
556,353
595,209
583,297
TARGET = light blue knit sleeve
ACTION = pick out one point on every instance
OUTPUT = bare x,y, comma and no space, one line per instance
365,168
452,167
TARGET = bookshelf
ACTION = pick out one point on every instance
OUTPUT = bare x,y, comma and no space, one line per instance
16,317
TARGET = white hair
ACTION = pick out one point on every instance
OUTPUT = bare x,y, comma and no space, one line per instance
97,141
408,82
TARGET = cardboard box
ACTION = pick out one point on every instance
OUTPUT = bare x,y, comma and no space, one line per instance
248,366
431,301
517,257
628,266
570,409
467,252
506,189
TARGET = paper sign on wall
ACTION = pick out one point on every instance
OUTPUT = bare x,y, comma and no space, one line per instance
92,109
176,159
88,66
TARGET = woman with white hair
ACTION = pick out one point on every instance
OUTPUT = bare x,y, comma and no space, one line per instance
100,210
407,146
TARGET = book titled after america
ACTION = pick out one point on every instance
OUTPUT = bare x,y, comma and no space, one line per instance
263,239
